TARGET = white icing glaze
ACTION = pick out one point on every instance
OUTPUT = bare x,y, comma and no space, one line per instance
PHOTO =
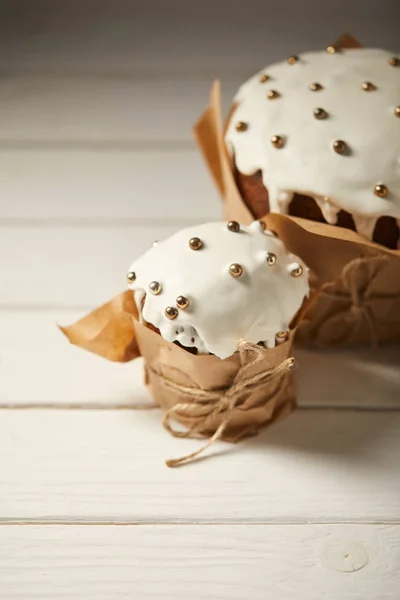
307,162
223,309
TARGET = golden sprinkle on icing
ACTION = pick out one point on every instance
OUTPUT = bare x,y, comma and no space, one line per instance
381,190
367,86
241,126
292,60
332,49
195,243
397,111
131,277
394,61
320,113
340,147
235,270
155,287
277,141
182,302
171,313
273,95
233,226
263,78
297,271
271,259
316,87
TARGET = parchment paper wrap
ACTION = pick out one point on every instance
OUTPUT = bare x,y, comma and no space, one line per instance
221,399
358,281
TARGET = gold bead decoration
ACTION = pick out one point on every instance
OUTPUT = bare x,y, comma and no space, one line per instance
233,226
271,259
171,312
292,60
316,87
131,277
155,287
277,141
235,270
367,86
339,146
195,243
381,190
182,302
263,78
320,114
241,126
397,111
332,49
297,271
282,336
394,61
273,95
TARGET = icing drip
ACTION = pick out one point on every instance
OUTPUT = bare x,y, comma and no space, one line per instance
306,162
254,301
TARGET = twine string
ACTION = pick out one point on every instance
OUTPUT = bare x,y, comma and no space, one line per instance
205,405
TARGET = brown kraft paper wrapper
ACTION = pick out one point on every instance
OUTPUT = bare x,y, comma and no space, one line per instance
358,281
226,399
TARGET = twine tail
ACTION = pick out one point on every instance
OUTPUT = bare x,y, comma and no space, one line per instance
176,462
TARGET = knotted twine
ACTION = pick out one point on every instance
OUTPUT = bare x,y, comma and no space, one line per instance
205,405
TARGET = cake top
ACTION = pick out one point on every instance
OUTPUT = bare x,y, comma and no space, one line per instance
327,125
212,285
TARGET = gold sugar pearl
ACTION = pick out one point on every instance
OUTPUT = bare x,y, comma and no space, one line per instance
155,287
394,61
171,313
320,114
381,190
131,277
263,78
367,86
233,226
332,49
292,60
277,141
195,243
271,259
340,147
182,302
282,335
397,111
316,87
297,271
241,126
273,95
235,270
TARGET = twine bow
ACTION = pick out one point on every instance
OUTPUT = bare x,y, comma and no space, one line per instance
205,405
357,283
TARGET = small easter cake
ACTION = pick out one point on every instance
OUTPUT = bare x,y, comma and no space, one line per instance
208,287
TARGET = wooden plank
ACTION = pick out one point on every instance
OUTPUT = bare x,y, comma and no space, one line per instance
87,110
64,266
88,35
108,466
106,185
56,374
350,562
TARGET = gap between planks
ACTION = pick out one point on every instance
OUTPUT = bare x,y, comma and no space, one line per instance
189,523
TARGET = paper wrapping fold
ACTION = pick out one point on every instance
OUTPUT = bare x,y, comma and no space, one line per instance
233,398
359,281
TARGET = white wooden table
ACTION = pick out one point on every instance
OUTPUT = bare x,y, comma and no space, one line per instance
96,161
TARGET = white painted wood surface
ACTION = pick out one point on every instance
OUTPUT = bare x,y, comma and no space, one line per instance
56,374
108,466
97,160
284,562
